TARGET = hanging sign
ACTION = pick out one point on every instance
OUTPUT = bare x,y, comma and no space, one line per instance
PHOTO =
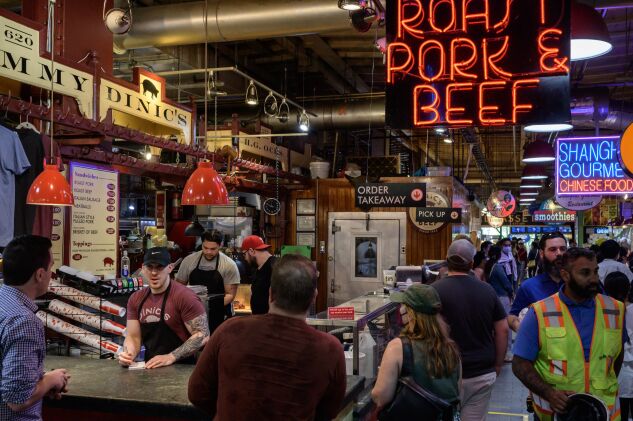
578,203
94,219
144,98
626,150
554,216
501,204
453,215
494,222
390,195
477,62
434,199
23,58
590,166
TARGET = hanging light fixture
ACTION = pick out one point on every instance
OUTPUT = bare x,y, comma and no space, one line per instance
147,154
195,228
447,139
284,111
589,33
440,130
538,151
251,94
51,187
213,89
548,127
350,5
534,172
528,193
530,184
204,186
527,200
304,121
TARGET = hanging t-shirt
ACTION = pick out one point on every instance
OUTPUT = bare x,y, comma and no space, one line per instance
24,216
13,161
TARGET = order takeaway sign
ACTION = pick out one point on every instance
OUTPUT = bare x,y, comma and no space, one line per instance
391,195
590,166
461,63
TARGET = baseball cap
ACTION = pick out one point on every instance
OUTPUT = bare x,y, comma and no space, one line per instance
420,297
254,242
157,255
461,252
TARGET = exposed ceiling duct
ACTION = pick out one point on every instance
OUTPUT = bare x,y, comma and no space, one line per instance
230,20
612,114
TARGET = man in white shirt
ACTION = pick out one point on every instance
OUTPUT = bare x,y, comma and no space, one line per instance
610,250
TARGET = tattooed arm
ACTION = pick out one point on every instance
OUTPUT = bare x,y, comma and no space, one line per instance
524,370
199,330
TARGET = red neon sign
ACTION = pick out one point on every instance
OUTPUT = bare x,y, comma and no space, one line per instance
475,62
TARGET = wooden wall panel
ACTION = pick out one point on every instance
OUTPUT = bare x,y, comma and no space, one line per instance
337,195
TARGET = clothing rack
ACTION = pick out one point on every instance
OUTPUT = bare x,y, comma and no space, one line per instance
66,118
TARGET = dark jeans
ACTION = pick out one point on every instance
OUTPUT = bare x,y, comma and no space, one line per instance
626,407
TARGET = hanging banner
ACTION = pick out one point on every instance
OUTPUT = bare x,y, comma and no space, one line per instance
578,203
590,166
146,99
23,58
94,219
390,195
501,203
453,215
477,63
554,216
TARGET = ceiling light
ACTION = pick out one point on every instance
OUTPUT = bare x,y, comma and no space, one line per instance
589,33
530,184
529,193
538,151
548,128
251,94
440,130
527,200
50,188
283,112
304,121
350,5
213,90
194,229
533,172
131,207
447,140
205,187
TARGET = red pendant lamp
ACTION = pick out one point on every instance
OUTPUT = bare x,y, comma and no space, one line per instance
51,187
205,187
589,33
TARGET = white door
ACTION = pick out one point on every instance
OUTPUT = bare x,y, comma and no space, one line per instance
360,246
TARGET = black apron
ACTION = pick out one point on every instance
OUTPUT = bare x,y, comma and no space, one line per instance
212,279
158,337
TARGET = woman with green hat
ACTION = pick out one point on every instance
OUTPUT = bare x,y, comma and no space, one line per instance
436,362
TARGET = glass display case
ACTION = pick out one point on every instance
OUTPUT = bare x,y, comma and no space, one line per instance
374,314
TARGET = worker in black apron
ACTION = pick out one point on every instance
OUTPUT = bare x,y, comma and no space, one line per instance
158,337
212,279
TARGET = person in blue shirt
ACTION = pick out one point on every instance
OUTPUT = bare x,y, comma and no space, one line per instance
578,293
552,247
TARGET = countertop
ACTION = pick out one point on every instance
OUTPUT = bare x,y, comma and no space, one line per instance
104,385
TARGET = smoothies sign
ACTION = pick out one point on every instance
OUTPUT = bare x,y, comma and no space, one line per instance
460,63
94,219
590,166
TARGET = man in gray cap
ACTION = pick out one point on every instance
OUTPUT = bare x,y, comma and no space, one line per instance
477,321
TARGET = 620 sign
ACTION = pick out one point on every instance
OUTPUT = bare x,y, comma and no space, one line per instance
461,63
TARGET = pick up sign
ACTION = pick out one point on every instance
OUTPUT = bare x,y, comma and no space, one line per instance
438,215
390,195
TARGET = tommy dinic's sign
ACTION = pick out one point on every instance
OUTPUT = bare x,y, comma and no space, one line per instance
393,195
23,58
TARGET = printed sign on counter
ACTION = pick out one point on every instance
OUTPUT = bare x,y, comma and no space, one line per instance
392,195
340,313
94,219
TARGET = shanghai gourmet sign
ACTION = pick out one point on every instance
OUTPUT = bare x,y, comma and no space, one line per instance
590,166
461,63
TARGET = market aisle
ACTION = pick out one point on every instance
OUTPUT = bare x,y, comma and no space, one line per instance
508,398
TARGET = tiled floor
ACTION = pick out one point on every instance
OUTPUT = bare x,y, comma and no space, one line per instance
508,398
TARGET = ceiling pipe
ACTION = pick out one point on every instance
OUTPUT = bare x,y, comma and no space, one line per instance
230,20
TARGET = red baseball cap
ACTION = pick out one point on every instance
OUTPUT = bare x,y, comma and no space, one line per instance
254,242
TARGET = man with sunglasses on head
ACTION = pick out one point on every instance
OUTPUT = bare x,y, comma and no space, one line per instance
551,249
167,318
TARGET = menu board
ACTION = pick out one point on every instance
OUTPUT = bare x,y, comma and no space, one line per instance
94,219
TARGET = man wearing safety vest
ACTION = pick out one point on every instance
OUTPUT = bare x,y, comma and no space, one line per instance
572,341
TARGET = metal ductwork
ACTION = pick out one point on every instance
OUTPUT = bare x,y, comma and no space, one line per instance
586,109
231,20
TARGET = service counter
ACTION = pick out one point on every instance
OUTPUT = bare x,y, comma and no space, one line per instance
101,390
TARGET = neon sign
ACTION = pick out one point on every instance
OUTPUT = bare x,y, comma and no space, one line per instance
461,63
590,166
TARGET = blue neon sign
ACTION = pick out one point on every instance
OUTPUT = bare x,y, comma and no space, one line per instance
590,166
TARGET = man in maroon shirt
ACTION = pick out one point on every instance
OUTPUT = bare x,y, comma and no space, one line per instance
273,366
